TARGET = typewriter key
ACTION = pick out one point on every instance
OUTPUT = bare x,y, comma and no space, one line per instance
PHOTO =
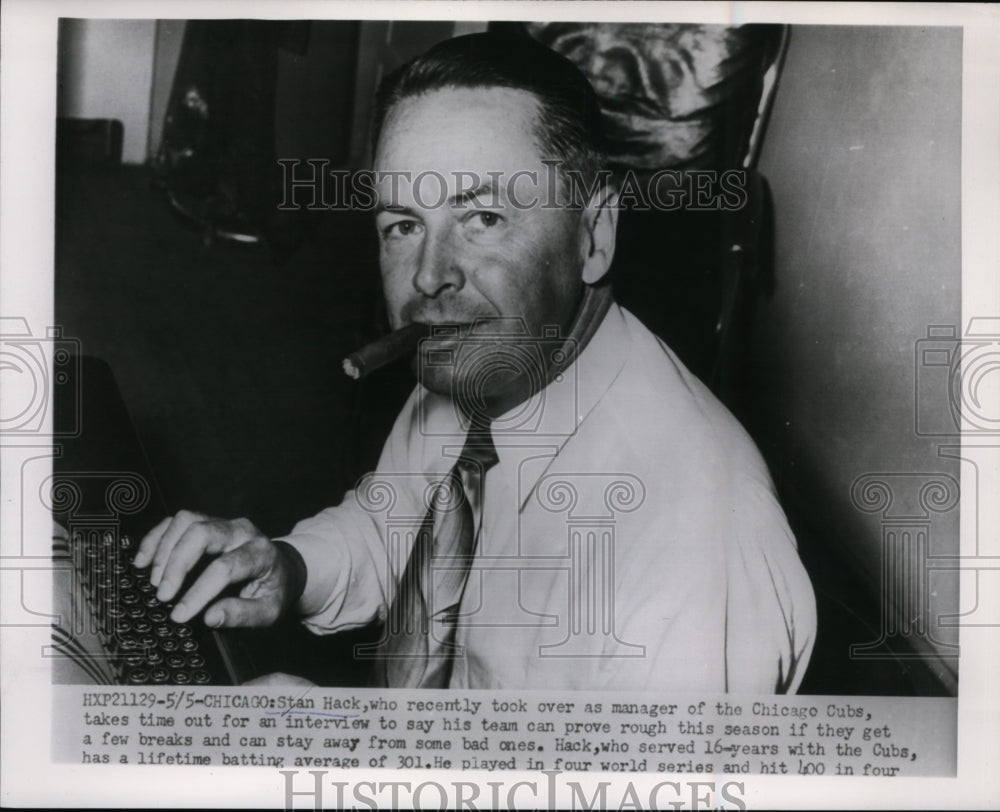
163,629
175,660
153,657
201,677
142,626
138,676
181,677
147,640
130,597
169,645
159,675
157,615
135,612
183,630
195,660
188,645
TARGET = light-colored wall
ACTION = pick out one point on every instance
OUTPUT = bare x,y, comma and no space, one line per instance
105,71
169,38
863,156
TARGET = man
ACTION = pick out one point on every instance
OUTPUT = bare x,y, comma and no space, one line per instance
560,504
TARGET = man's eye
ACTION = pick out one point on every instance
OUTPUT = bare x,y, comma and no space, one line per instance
401,228
484,219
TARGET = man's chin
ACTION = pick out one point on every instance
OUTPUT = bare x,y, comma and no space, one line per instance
489,395
438,380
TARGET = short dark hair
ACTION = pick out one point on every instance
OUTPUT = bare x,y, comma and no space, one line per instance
569,121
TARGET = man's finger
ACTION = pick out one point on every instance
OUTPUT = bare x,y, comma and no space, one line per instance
148,544
177,527
242,564
200,538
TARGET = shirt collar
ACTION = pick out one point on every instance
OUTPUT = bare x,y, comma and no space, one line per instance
530,435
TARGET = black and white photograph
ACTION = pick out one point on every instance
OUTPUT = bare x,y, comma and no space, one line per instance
627,372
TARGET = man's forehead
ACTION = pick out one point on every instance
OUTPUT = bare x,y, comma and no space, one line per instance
481,131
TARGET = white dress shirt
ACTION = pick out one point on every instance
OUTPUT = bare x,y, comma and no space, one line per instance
630,536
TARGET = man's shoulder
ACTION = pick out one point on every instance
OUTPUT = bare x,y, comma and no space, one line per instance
664,411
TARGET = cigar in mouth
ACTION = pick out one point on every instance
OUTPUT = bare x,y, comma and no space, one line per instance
385,350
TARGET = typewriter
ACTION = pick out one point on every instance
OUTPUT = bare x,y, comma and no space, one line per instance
115,630
110,626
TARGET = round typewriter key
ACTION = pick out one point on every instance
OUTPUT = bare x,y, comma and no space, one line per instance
128,643
157,615
195,660
175,660
169,645
183,630
163,630
122,626
148,640
188,645
130,597
142,626
145,586
134,659
153,657
115,612
138,676
159,674
126,582
136,612
125,542
181,677
151,601
201,677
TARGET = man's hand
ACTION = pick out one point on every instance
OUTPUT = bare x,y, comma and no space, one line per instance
245,556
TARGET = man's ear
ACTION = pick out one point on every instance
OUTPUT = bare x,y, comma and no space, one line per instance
597,238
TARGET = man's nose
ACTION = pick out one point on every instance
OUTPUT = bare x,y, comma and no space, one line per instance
438,270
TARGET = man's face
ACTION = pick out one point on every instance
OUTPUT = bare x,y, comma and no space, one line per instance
453,246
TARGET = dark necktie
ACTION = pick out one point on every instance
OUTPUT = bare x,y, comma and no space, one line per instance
420,648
